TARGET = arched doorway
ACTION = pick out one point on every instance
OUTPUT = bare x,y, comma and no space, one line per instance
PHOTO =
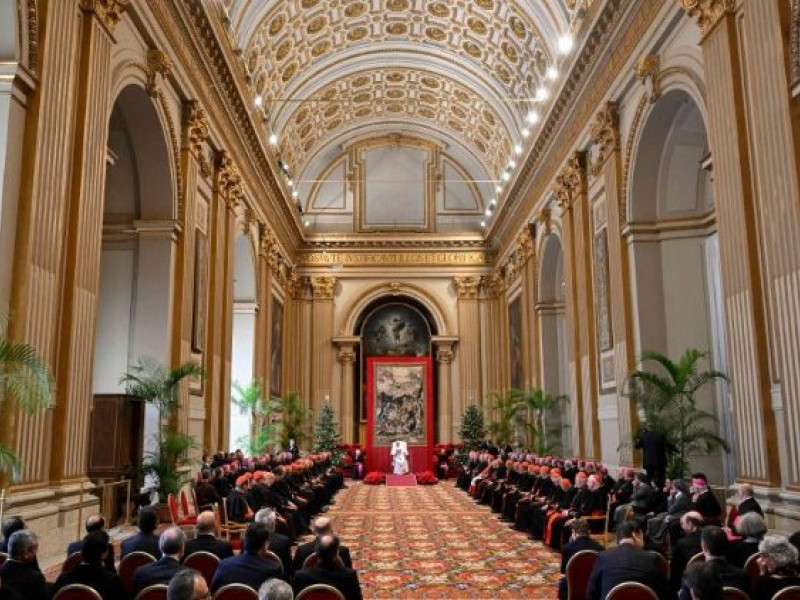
244,336
550,310
675,264
137,250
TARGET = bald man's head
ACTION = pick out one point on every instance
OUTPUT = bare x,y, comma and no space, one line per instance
95,523
206,522
322,526
328,549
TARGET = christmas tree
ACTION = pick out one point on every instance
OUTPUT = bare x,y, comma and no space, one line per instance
326,432
472,430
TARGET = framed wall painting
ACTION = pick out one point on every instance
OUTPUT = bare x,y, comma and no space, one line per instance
276,353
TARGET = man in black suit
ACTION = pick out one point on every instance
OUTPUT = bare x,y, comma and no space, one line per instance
578,541
188,584
704,501
20,572
627,562
10,526
321,526
91,571
172,544
251,567
7,593
654,446
95,523
145,540
714,543
686,547
206,541
280,544
328,572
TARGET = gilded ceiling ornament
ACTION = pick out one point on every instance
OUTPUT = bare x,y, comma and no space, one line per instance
360,81
309,3
323,287
707,12
283,50
397,5
518,27
396,28
363,112
108,11
359,33
362,97
438,9
472,49
467,286
316,25
289,72
605,134
430,82
158,63
395,94
648,70
435,34
426,113
510,51
277,24
477,26
395,77
503,74
485,4
355,10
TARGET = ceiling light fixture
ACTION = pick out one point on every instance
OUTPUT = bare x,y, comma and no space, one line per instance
533,117
259,100
517,149
512,164
565,43
295,194
542,94
526,132
483,223
492,202
498,189
273,140
488,212
552,73
506,176
290,183
306,223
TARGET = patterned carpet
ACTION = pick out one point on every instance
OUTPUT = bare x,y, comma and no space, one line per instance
435,542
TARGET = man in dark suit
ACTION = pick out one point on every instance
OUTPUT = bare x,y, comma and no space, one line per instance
251,567
280,544
20,572
714,543
206,541
704,501
6,593
627,562
686,547
321,526
172,544
145,540
91,571
95,523
10,526
654,446
188,584
578,541
328,572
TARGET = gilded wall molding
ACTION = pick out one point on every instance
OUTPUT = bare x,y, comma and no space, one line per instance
195,133
467,286
648,71
571,181
605,134
323,286
109,12
707,13
421,259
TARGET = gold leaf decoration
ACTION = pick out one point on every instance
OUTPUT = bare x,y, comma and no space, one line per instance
309,3
429,82
362,97
320,48
283,50
472,49
427,113
316,25
396,28
435,34
510,52
459,112
395,107
438,9
360,81
355,10
395,77
277,24
477,26
363,111
331,110
518,27
397,5
289,72
359,33
485,4
395,94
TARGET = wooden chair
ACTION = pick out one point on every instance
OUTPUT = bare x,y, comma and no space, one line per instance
128,566
631,590
3,558
664,564
312,560
154,592
275,558
789,593
696,559
732,593
77,591
601,537
753,570
189,522
189,510
235,591
320,592
578,570
203,562
229,528
73,560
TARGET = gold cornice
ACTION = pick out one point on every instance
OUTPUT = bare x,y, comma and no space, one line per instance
707,12
605,135
467,286
323,286
109,12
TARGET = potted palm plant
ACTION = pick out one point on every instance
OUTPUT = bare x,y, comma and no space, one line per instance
535,403
25,381
159,386
265,432
506,411
667,402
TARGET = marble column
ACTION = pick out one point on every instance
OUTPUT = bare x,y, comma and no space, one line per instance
322,289
469,333
444,355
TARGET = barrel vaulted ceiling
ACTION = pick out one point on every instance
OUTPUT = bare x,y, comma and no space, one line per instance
465,75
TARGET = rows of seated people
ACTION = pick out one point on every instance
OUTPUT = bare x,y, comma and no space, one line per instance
660,529
265,562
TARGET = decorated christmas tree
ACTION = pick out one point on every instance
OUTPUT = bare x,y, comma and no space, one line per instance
472,431
326,432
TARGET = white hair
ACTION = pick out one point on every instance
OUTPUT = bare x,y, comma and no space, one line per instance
275,589
267,517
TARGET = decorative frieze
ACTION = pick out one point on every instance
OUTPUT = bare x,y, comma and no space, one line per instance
396,258
648,71
605,134
707,12
467,286
323,287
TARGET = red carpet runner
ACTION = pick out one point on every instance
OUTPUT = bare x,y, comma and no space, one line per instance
435,542
409,480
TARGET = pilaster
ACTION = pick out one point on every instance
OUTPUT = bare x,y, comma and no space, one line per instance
469,331
322,290
445,354
346,355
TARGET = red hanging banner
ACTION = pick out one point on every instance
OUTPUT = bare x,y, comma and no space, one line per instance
399,408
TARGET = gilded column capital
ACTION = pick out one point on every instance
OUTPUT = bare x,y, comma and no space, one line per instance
605,134
229,180
445,355
195,127
109,12
158,63
648,71
571,182
467,286
495,285
707,12
543,219
323,286
267,241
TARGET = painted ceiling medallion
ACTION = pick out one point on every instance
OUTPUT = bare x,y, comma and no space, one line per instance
396,28
518,27
355,10
395,77
435,33
477,26
485,4
438,9
397,5
359,33
277,24
472,49
316,25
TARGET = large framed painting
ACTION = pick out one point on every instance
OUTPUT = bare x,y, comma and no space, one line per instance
515,341
200,292
276,355
399,408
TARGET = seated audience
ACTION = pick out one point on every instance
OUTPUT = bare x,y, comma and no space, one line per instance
206,541
207,495
714,543
578,541
704,501
686,547
328,572
172,544
778,565
752,529
10,525
702,582
239,510
93,569
321,526
145,540
95,523
20,573
6,593
275,589
280,544
251,567
678,502
187,584
628,561
745,503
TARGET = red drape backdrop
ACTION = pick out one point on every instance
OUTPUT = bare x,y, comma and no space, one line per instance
419,456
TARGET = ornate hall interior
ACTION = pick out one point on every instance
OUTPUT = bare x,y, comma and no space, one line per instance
515,194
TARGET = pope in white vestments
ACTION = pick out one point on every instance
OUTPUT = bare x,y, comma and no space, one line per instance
399,458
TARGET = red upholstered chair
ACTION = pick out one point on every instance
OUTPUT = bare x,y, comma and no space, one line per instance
789,593
275,558
697,559
235,591
154,592
203,562
3,558
752,568
664,564
312,560
320,592
631,590
189,522
77,591
189,509
128,566
233,532
578,570
73,560
732,593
